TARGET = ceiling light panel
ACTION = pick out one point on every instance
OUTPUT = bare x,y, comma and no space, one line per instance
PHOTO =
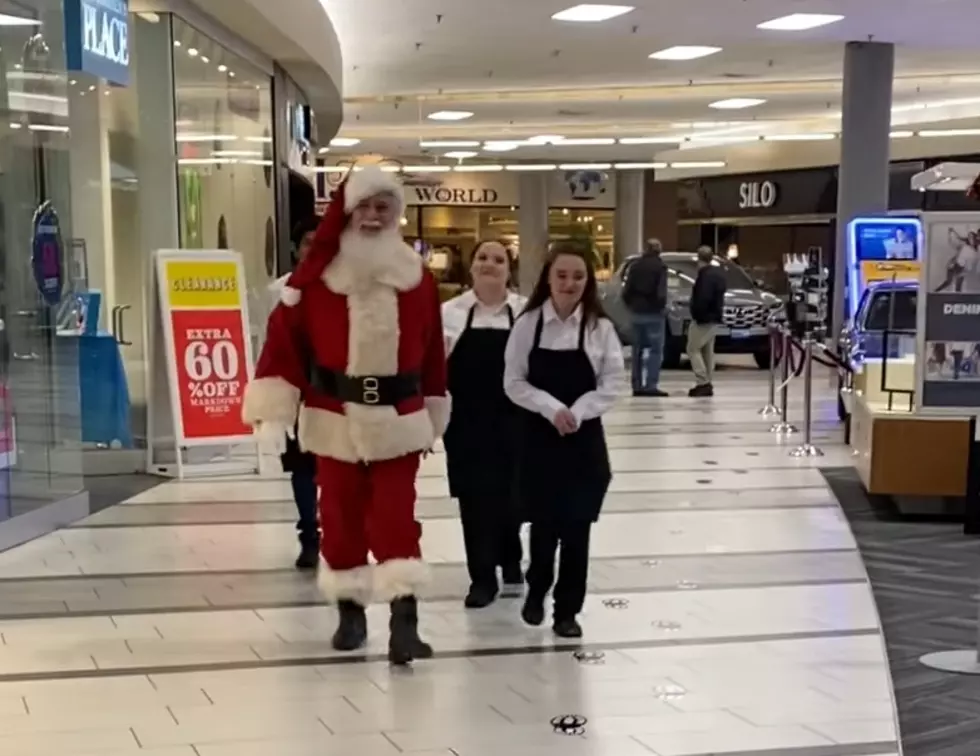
597,142
685,52
651,140
736,103
478,168
800,137
699,164
592,13
638,166
448,144
532,167
461,154
427,169
450,115
585,166
501,146
344,142
800,22
8,20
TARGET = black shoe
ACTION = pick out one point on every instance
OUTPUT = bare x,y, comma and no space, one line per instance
533,611
654,393
309,557
705,389
479,597
569,628
404,644
351,633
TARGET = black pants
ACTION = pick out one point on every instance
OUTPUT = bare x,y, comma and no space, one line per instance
303,481
573,564
492,536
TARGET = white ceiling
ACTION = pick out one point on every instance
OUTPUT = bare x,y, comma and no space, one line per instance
523,74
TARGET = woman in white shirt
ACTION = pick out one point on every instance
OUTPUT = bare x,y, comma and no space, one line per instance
564,368
479,440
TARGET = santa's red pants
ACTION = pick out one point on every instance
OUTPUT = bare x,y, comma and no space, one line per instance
368,507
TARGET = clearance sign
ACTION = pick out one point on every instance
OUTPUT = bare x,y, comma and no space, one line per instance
209,358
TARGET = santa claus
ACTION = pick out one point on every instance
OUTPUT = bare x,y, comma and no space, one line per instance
356,349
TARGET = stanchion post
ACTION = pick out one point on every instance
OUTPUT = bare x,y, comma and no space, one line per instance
784,426
771,409
807,449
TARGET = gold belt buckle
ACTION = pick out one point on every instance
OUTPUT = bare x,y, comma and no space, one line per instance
370,393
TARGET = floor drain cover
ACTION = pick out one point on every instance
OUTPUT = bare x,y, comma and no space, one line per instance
569,724
616,603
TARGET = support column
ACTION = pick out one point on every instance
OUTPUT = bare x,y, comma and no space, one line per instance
532,227
869,70
660,210
628,220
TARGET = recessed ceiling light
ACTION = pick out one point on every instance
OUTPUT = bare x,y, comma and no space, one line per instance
448,144
205,58
736,103
450,115
501,146
699,164
532,167
800,21
206,137
323,150
638,166
685,52
192,51
651,140
949,132
231,74
344,142
800,137
426,169
901,134
585,166
7,20
478,168
461,154
222,68
177,43
589,142
590,13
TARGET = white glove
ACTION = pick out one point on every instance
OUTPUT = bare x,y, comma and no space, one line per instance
272,437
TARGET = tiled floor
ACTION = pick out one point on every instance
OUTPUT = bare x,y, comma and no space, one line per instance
729,613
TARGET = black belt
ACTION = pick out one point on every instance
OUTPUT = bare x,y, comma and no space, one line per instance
384,390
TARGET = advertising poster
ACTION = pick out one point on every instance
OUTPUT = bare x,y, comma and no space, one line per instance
209,356
952,319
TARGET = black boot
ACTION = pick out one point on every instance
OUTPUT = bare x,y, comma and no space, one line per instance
352,631
309,555
404,644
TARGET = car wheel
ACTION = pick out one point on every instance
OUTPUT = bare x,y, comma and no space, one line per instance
762,358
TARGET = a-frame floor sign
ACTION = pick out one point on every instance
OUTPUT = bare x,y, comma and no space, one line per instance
200,363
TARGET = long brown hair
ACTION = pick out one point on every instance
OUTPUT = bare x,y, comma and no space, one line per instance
591,306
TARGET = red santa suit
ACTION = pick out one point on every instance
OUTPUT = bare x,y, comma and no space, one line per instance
356,350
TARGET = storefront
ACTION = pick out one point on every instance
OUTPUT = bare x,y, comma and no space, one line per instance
449,212
125,133
760,217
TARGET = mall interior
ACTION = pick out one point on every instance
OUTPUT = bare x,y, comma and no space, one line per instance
785,568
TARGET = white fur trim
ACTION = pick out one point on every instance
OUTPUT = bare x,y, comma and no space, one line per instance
398,578
439,408
352,585
290,296
402,269
270,400
369,181
364,437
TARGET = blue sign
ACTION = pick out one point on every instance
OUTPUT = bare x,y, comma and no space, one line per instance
47,254
97,38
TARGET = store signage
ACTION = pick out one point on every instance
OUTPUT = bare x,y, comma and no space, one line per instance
948,341
97,38
47,254
444,195
754,194
209,357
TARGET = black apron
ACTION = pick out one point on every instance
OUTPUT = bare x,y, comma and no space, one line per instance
480,439
561,477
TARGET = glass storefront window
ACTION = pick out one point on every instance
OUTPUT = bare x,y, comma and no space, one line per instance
224,121
40,444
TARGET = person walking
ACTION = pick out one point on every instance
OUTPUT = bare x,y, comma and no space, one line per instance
479,439
563,367
707,313
300,465
645,296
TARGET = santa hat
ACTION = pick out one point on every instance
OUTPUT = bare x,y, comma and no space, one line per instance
356,187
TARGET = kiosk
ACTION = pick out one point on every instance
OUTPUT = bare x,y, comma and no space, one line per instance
916,450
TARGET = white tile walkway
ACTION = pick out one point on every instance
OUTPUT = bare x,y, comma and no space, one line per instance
742,621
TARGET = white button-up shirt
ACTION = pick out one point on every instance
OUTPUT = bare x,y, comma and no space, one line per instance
601,345
456,310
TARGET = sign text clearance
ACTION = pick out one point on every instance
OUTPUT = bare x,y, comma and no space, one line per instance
209,353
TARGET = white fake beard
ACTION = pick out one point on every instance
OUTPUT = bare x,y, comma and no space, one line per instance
369,255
